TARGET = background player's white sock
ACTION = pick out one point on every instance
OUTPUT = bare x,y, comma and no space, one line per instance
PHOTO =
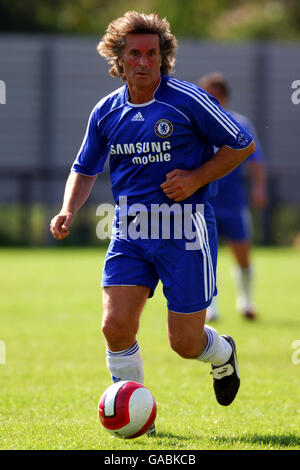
244,280
126,364
217,350
212,312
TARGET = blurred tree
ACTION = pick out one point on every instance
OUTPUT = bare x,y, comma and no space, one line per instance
293,9
64,16
24,16
216,19
256,19
191,18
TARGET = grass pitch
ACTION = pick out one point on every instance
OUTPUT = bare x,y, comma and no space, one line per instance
55,369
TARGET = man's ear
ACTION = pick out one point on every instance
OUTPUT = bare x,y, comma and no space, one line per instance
120,61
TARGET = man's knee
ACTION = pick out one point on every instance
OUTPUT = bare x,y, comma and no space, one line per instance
122,306
186,333
112,330
187,348
118,331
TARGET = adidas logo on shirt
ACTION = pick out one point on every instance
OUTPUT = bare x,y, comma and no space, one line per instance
138,117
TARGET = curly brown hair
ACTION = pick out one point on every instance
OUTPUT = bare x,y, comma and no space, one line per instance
112,45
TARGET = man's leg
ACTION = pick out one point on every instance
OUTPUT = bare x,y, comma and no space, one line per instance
122,308
192,339
189,336
241,251
243,276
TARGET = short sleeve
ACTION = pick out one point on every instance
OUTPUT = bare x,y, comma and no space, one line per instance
218,126
94,150
257,155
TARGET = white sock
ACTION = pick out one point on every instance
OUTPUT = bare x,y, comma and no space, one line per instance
212,310
126,364
217,350
244,280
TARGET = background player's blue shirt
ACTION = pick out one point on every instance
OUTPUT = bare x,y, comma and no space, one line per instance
232,194
177,129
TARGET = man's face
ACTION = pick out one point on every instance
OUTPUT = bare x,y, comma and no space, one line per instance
141,60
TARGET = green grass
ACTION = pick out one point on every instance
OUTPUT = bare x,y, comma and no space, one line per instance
55,371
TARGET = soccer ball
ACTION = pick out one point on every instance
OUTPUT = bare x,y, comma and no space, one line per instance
127,409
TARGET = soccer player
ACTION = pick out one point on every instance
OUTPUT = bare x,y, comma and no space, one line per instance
158,133
231,204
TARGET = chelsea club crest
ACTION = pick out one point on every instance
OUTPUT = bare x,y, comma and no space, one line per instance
163,128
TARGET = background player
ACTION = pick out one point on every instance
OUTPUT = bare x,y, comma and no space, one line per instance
231,204
159,133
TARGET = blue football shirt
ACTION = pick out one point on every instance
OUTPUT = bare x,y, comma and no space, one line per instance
178,128
232,193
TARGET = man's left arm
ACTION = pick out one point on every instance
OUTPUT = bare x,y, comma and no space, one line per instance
258,184
180,184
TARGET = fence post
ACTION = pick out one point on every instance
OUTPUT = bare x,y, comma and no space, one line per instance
47,129
262,119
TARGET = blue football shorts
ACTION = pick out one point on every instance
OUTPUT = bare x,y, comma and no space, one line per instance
185,266
233,224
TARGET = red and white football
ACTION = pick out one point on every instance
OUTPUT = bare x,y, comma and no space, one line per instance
127,409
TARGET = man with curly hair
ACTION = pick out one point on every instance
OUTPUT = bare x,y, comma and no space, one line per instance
159,134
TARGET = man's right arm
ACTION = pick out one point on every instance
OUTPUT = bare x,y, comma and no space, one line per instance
77,191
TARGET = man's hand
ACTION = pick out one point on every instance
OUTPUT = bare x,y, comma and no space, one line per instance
179,184
77,190
59,225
